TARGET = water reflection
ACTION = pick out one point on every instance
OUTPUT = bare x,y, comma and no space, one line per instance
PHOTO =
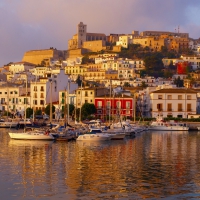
151,165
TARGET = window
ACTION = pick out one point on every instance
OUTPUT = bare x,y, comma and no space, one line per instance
169,96
180,107
189,107
159,106
118,104
179,97
41,102
108,104
99,104
169,107
189,97
128,104
160,97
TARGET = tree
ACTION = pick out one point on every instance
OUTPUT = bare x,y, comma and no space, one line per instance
126,84
29,112
87,109
144,85
154,64
47,109
71,109
178,82
38,112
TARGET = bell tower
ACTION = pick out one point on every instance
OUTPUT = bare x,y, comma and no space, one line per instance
81,34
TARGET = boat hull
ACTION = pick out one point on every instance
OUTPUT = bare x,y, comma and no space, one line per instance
169,128
93,137
30,136
8,124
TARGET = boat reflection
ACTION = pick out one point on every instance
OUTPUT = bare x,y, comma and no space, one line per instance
30,143
93,144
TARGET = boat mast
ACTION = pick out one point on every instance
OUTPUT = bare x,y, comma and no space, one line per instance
68,88
65,110
25,104
110,101
50,100
134,107
81,103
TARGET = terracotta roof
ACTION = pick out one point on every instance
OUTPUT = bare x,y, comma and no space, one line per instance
175,90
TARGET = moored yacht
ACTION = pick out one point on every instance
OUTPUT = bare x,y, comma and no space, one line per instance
161,125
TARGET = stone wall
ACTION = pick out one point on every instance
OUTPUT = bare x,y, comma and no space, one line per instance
37,56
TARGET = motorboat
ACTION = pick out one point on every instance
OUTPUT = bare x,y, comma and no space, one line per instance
93,137
8,123
114,134
161,125
33,134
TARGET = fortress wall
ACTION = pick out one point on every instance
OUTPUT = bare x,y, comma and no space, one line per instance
37,56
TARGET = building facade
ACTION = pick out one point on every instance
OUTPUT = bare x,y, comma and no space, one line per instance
173,102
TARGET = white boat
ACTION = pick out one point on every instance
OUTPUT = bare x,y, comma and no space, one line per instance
32,135
198,128
8,124
114,134
93,137
161,125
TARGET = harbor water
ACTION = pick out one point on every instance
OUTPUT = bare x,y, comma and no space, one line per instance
153,165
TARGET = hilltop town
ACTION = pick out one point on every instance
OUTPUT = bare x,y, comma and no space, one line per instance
128,75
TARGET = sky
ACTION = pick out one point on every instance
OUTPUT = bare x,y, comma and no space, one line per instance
40,24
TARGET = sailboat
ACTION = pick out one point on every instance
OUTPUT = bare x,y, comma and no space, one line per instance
31,134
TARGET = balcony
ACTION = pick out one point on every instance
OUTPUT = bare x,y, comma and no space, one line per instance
180,109
169,109
189,110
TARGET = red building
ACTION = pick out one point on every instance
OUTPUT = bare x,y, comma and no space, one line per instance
114,106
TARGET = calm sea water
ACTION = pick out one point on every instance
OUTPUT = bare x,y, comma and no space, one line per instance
153,165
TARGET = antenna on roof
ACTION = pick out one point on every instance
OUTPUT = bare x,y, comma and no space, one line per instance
178,28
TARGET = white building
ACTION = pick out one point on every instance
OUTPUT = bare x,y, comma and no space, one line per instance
173,102
47,89
124,41
20,67
194,60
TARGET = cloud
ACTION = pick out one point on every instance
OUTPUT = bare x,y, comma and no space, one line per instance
36,24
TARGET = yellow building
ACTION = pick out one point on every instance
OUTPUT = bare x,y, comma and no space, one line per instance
37,56
87,95
82,36
94,46
76,70
159,33
94,75
154,43
178,43
111,74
